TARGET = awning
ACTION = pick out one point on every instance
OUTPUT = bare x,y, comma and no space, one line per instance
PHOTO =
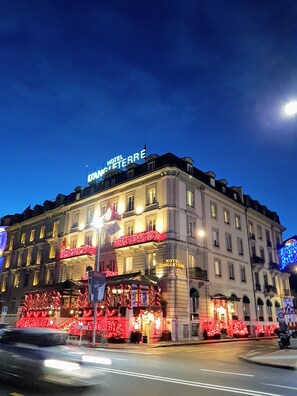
277,304
268,303
233,297
259,301
245,300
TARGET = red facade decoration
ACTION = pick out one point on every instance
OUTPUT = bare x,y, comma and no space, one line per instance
142,237
86,249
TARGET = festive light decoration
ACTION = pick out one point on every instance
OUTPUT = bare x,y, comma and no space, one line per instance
80,251
142,237
288,254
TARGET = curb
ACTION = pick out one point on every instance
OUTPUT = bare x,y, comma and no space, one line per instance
259,363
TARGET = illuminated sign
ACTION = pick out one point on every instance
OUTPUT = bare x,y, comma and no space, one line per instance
172,263
117,162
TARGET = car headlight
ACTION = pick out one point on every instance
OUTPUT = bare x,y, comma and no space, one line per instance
61,365
95,359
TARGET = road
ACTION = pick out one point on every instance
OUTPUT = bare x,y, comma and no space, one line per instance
208,369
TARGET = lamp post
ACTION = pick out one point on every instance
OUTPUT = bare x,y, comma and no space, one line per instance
188,292
98,226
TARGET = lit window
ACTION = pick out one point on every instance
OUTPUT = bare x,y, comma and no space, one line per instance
23,238
238,222
20,259
7,261
191,259
29,257
130,203
42,232
16,280
151,224
38,257
129,229
226,216
151,195
90,215
115,207
150,263
11,242
32,235
213,210
103,210
36,278
218,268
128,264
3,284
191,228
251,228
190,198
190,169
89,239
52,253
55,229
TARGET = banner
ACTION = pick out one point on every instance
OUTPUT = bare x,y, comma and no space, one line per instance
97,281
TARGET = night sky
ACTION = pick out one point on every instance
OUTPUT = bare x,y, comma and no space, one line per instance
84,81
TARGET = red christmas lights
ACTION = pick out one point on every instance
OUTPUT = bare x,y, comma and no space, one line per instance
86,249
142,237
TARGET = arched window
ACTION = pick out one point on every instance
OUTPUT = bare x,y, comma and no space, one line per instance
260,309
246,308
269,310
194,295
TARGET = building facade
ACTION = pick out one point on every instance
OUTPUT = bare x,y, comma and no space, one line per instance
195,257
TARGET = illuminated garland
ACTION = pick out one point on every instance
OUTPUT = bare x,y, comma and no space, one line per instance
86,249
141,237
288,255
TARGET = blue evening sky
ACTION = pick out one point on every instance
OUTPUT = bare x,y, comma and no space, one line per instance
83,81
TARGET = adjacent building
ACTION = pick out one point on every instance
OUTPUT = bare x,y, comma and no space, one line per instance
184,254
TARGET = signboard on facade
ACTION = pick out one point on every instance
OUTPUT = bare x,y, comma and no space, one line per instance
97,281
172,263
280,315
118,162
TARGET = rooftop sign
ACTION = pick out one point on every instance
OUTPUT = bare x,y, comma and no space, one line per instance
118,162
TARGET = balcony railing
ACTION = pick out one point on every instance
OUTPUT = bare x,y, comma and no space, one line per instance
198,273
80,251
252,236
257,260
258,287
270,289
273,266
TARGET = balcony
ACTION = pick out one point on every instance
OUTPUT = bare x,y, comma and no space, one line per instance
257,262
83,250
252,236
258,287
135,239
270,291
198,273
269,244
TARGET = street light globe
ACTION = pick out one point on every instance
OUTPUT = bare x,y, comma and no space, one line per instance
98,222
201,233
291,108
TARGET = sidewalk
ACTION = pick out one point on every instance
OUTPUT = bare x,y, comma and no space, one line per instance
281,358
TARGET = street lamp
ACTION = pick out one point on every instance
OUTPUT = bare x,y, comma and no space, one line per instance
97,224
291,108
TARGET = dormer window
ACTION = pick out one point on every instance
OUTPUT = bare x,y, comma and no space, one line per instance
130,174
212,182
151,166
190,169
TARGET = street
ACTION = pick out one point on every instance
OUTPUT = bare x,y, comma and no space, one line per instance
208,369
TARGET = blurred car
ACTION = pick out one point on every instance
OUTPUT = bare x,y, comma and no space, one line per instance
42,356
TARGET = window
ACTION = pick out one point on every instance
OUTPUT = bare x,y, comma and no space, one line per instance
217,268
3,283
128,264
16,279
129,229
11,242
265,278
228,242
151,195
112,265
259,231
90,214
151,166
257,281
130,174
52,253
75,217
73,242
262,253
29,257
254,253
20,259
130,203
226,216
32,235
190,198
240,246
36,278
191,228
251,228
7,261
89,238
243,273
237,222
55,229
270,257
151,224
246,307
267,235
42,232
150,263
26,279
212,182
49,273
231,270
103,209
269,310
191,259
38,257
113,182
215,237
260,309
190,169
23,238
115,206
213,210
